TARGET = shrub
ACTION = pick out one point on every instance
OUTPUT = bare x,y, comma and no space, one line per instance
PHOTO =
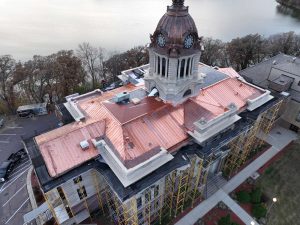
243,197
226,220
256,195
259,211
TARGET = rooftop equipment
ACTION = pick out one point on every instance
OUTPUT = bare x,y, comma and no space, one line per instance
122,97
84,145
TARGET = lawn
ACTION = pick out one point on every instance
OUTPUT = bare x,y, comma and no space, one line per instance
282,180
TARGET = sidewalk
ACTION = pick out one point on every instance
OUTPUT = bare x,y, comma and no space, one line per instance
278,138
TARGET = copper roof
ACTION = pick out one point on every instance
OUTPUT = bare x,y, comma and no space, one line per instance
137,132
61,148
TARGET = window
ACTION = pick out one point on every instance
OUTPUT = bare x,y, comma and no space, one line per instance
77,180
148,195
139,202
158,65
163,67
82,193
182,66
299,83
140,215
156,191
155,59
156,205
187,73
192,63
187,93
61,193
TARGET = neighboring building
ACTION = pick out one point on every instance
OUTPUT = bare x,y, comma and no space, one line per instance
142,153
280,73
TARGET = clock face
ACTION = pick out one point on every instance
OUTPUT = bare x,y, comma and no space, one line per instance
188,41
161,40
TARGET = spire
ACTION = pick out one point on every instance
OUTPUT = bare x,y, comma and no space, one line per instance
178,3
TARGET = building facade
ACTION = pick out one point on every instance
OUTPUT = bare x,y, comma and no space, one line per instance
142,153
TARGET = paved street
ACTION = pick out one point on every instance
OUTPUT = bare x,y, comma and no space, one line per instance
14,200
278,138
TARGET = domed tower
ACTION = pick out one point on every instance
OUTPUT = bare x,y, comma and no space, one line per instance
174,52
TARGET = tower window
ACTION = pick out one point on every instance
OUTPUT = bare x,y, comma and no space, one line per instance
158,65
187,73
182,66
155,63
167,68
192,63
178,72
163,67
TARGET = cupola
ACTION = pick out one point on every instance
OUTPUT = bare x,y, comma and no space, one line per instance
174,52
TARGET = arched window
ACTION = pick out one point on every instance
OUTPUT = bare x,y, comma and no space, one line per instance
167,70
158,65
192,64
155,63
178,72
182,68
163,72
187,72
187,93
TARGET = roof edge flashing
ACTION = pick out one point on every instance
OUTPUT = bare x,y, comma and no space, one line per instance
201,137
202,125
130,176
74,111
259,101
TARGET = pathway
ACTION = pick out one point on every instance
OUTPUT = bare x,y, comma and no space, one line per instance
278,138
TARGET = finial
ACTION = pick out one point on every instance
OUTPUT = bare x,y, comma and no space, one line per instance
178,3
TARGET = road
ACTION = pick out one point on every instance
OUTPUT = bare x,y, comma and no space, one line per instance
14,199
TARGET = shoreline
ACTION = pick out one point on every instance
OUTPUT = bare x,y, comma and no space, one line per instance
287,4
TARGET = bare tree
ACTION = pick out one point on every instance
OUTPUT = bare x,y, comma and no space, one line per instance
7,69
287,43
92,59
214,52
246,51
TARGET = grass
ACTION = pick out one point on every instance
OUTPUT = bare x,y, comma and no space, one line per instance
282,180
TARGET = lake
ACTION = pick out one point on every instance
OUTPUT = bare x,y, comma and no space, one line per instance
29,27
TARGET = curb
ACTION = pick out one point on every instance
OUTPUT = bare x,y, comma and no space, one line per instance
33,203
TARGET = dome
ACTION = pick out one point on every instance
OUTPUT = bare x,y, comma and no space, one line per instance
176,31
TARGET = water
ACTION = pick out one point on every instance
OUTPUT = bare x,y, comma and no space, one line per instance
29,27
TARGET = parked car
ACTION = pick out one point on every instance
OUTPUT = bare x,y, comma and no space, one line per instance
32,110
5,168
1,122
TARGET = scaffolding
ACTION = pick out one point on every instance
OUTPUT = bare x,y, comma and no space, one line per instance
192,192
181,188
181,192
242,145
97,188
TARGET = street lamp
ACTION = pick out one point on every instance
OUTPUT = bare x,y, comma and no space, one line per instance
274,200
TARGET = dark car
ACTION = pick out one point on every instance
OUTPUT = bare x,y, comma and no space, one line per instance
5,168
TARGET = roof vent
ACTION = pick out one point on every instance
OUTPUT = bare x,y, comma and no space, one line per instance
84,145
294,59
122,97
274,62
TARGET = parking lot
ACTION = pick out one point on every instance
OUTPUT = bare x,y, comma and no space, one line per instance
14,199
